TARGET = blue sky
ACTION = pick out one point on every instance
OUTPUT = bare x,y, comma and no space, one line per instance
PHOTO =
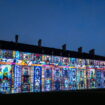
74,22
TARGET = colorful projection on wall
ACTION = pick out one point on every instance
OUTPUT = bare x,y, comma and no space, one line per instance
5,78
22,72
37,78
47,73
17,79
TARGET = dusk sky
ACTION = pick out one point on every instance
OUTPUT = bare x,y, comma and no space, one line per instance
74,22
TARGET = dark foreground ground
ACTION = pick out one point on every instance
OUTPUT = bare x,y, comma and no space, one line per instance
83,97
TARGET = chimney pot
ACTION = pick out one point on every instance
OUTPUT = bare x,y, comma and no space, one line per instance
64,47
80,49
16,38
92,52
39,42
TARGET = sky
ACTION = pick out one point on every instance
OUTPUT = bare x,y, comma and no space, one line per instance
57,22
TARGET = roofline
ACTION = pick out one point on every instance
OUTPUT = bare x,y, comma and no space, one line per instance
10,45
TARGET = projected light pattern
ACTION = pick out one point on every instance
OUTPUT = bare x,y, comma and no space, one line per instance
22,72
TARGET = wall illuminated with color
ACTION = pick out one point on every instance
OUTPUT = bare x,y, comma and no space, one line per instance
22,72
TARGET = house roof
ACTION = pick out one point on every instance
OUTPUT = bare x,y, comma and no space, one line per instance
47,50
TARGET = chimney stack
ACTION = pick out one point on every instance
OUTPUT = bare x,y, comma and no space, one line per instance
39,42
16,38
92,52
80,49
64,47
